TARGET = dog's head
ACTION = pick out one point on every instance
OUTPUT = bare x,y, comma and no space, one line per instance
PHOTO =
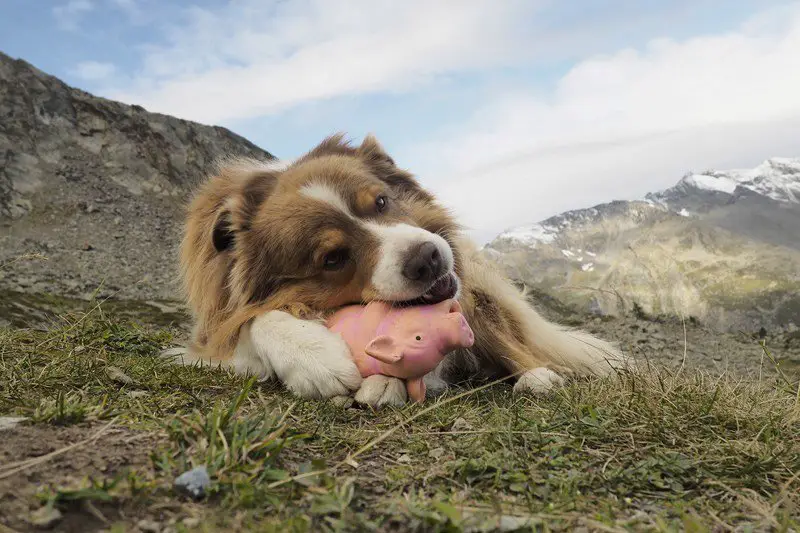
339,225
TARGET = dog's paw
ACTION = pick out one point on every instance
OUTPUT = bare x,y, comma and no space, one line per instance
380,390
538,381
310,360
434,385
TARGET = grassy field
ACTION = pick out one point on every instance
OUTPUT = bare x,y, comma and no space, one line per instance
109,426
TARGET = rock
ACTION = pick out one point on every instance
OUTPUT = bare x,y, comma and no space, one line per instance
460,424
116,374
138,394
404,459
191,522
95,167
10,422
436,453
149,526
193,482
87,247
45,517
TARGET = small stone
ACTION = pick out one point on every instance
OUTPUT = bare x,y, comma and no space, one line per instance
405,459
149,526
193,482
191,522
45,517
138,394
460,424
87,247
10,422
436,453
115,374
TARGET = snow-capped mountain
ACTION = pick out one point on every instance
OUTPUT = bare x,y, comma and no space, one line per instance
723,246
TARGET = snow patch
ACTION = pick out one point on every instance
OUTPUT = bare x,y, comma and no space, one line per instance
711,183
531,234
777,178
684,213
588,267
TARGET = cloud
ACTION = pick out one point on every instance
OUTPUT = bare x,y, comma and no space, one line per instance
69,15
94,70
257,57
620,125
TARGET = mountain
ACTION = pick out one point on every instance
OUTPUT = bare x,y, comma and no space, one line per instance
721,246
91,190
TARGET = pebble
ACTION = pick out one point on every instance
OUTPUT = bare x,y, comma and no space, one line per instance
193,482
191,522
436,453
116,374
460,424
10,422
149,526
45,517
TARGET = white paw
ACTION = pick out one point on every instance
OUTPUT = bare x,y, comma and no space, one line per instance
310,360
434,385
379,390
538,381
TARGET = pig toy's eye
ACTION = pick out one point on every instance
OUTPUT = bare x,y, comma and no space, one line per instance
419,338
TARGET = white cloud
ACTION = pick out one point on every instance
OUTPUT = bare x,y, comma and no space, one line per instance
258,57
68,15
94,70
618,126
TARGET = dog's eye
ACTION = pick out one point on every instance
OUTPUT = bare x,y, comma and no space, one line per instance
381,202
336,259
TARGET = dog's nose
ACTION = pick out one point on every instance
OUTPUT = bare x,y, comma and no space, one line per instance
423,263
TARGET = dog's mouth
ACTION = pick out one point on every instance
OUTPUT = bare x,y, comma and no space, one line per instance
442,289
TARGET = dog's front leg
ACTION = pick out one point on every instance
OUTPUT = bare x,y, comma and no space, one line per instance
313,362
307,358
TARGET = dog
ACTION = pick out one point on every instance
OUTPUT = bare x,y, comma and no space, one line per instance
270,248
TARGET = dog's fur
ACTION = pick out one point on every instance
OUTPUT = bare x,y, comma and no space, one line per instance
262,264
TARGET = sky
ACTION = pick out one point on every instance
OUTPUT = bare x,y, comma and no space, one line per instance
510,110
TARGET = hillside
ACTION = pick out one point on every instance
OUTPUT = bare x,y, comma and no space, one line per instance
722,246
91,190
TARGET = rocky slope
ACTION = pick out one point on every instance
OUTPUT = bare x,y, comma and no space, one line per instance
91,190
721,246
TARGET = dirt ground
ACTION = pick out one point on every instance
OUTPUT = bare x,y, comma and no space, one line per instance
79,456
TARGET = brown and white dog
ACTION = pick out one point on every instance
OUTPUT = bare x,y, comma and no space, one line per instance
269,248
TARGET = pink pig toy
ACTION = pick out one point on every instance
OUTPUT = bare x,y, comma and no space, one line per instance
405,342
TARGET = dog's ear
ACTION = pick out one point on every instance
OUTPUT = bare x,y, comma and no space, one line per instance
251,186
384,167
223,234
372,151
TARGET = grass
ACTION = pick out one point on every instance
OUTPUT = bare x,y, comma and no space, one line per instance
649,450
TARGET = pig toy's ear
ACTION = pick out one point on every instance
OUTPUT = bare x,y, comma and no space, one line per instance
384,349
